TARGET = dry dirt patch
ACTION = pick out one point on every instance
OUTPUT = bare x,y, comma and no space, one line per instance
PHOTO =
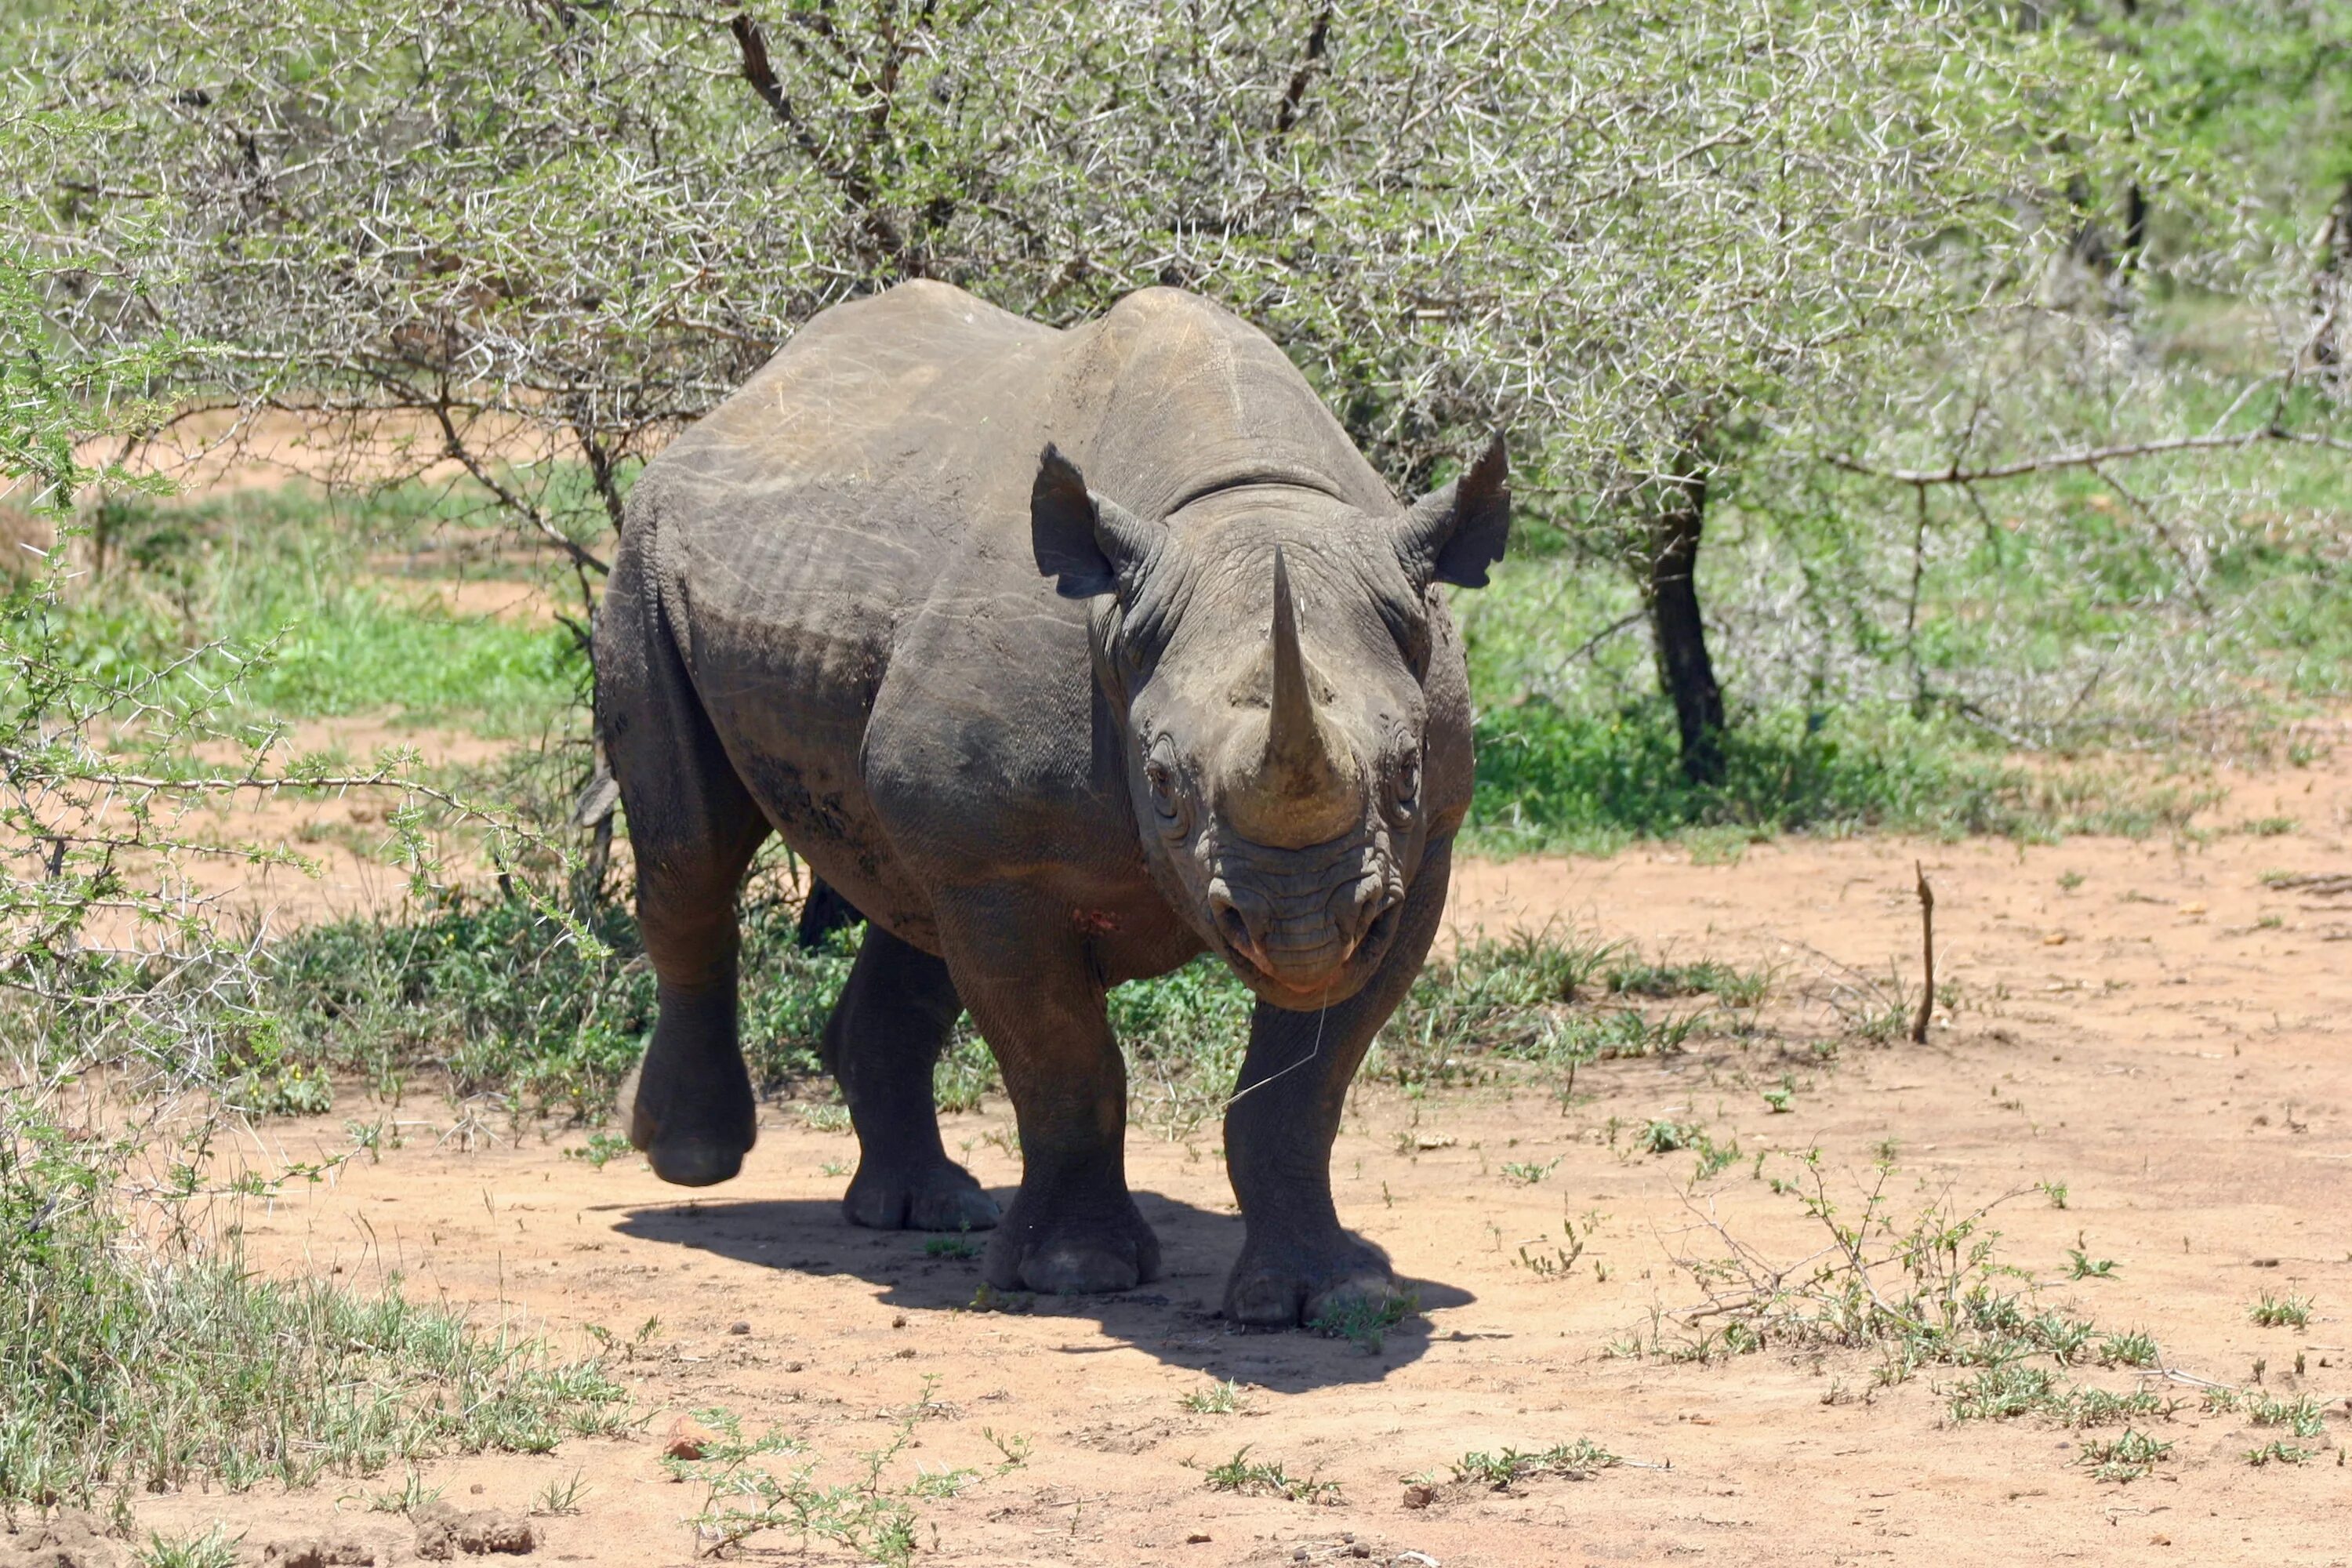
2148,1024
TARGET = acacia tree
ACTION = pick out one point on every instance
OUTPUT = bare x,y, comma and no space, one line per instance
1646,237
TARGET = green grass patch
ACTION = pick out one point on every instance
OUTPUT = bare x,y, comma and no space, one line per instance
128,1366
1551,779
339,596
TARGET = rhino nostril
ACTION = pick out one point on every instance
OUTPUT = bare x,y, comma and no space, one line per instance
1368,918
1233,926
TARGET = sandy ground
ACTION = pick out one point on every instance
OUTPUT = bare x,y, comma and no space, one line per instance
2147,1023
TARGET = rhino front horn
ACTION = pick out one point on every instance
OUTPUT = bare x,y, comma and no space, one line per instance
1299,768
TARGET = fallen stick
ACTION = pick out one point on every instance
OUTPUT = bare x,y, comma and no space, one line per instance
1928,950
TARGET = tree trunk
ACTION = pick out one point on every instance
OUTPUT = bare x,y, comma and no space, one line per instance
1684,669
2134,245
2331,295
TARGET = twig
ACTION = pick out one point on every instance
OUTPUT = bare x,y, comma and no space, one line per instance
1927,955
2087,458
581,556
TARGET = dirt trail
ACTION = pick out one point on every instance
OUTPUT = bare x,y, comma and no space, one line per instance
2147,1023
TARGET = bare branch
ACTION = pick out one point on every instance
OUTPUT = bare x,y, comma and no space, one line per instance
2092,457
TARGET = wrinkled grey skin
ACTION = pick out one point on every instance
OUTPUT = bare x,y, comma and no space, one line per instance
1053,723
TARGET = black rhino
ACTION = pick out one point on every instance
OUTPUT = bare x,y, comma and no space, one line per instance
1049,733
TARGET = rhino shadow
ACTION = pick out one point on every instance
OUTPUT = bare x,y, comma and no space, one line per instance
1175,1318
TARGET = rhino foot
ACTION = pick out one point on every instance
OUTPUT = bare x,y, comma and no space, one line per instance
941,1197
690,1146
1073,1256
1287,1285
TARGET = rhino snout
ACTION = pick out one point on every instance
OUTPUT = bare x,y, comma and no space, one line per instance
1303,941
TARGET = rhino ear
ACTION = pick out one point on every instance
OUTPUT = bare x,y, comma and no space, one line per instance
1457,531
1088,544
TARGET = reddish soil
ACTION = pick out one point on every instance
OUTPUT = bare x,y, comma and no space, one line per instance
2147,1023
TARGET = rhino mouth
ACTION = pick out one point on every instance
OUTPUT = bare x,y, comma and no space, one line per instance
1304,924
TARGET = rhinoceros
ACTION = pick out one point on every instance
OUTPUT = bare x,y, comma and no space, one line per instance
1065,656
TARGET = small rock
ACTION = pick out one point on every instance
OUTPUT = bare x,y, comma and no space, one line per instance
739,1328
1299,1554
475,1488
794,1365
1198,1538
687,1440
1359,1549
899,1322
1420,1495
444,1531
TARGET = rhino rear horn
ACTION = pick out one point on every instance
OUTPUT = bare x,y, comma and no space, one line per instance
1457,531
1089,544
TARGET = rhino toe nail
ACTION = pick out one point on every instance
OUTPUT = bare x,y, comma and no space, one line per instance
1079,1271
696,1163
974,1210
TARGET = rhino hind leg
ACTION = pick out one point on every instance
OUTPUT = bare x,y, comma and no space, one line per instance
883,1038
693,829
694,1114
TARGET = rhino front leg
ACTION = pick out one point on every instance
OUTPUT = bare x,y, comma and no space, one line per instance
1029,985
882,1041
1297,1262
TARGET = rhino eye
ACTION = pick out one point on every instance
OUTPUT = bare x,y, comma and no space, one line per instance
1159,778
1405,780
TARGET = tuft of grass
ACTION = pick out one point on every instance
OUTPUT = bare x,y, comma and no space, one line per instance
412,1495
2281,1312
824,1116
2081,1266
216,1548
1365,1323
1732,987
1218,1399
562,1497
600,1150
2300,1416
2005,1391
1258,1477
1526,1173
2276,1452
2125,1458
744,1496
1499,1471
1663,1137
